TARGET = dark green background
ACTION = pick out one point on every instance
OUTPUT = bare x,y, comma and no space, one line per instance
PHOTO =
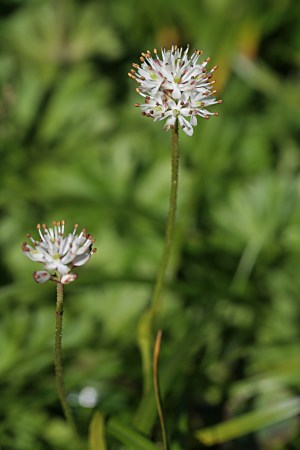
73,147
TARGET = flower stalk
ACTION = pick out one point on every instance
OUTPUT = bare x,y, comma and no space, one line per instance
145,328
155,302
58,362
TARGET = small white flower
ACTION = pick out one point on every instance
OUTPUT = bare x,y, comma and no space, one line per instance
175,86
58,252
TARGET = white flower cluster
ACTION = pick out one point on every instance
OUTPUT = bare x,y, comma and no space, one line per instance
58,252
175,86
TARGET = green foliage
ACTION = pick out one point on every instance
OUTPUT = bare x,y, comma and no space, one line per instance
73,147
96,433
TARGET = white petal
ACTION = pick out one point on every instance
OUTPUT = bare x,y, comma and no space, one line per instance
186,126
82,259
193,120
51,265
68,257
68,278
41,276
62,268
35,255
176,92
169,123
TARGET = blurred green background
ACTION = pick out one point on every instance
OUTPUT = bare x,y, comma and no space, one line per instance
73,147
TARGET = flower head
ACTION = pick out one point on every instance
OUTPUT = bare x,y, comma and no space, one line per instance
59,252
175,86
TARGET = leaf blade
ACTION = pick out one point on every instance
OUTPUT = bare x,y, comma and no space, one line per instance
97,432
129,436
249,422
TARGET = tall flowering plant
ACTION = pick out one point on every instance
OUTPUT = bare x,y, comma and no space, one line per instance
177,88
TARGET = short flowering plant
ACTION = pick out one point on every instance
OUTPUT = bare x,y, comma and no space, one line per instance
175,86
59,252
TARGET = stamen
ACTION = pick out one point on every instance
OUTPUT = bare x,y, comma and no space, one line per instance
75,228
40,232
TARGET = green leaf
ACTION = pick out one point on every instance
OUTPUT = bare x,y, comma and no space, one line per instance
97,432
249,422
129,436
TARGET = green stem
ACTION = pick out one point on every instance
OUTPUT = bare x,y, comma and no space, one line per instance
58,362
145,326
155,302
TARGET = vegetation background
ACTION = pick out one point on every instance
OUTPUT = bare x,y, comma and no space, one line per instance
73,147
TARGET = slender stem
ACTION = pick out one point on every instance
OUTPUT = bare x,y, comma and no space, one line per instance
145,327
58,362
157,391
155,302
